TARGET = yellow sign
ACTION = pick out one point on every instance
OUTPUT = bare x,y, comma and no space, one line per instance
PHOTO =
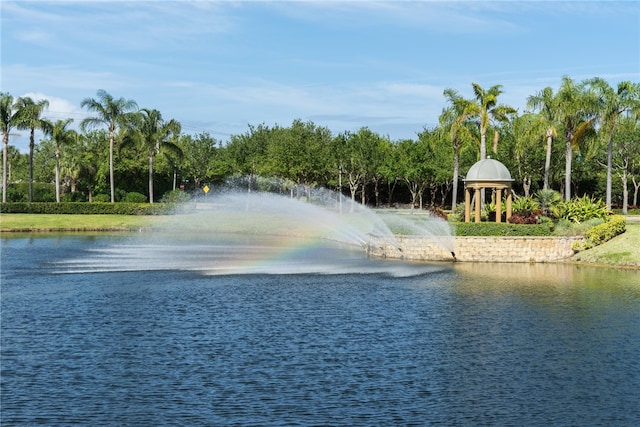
206,189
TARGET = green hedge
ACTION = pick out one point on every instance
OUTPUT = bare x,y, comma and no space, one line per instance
502,229
81,208
615,224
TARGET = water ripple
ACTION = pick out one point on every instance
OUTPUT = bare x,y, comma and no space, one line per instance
181,348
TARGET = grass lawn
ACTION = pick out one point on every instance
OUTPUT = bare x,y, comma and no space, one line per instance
51,222
622,250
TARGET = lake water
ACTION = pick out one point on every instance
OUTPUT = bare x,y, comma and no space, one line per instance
100,330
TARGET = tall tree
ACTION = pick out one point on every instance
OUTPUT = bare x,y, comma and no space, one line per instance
626,155
577,113
414,159
247,152
437,170
61,135
300,153
29,117
546,120
113,113
7,122
71,165
92,150
348,168
613,103
524,158
361,155
156,134
199,152
455,121
487,110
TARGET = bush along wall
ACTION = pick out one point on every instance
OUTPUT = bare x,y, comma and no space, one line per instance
502,229
615,225
81,208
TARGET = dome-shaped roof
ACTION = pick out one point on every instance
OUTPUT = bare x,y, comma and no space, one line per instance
488,170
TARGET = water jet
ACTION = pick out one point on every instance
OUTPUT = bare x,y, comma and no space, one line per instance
233,231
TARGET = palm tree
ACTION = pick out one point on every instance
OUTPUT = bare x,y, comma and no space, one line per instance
8,120
546,121
155,135
61,136
115,114
577,115
487,110
71,166
613,104
29,118
454,121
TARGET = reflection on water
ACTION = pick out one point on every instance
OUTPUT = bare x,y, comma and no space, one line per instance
463,344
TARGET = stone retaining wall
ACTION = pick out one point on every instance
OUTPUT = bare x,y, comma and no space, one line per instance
481,249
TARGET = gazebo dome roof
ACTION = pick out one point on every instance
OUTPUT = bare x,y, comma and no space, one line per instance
488,170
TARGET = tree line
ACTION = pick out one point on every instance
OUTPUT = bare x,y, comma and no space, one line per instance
576,140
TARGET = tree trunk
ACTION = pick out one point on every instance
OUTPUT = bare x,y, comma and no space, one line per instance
456,173
376,192
567,171
625,194
391,186
151,178
5,144
434,190
483,143
57,175
636,186
547,160
112,135
609,170
31,147
175,178
526,185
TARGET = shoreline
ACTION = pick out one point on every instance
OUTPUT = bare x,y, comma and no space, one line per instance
620,252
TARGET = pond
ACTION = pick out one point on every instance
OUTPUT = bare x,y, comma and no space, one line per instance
110,330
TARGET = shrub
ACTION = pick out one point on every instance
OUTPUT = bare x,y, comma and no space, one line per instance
458,213
549,201
502,229
15,195
73,197
101,198
439,213
582,209
601,233
42,192
530,218
134,197
523,206
565,227
175,196
86,208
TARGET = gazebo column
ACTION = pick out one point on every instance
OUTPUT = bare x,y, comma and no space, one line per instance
498,205
509,197
467,204
478,203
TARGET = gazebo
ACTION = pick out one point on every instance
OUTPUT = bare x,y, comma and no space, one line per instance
487,173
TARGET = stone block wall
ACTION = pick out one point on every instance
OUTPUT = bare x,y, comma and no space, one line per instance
481,249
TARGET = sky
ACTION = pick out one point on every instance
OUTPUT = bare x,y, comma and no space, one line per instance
221,66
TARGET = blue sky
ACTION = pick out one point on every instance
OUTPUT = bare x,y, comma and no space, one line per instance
219,66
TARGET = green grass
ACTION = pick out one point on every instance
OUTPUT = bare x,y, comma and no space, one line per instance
622,250
55,222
